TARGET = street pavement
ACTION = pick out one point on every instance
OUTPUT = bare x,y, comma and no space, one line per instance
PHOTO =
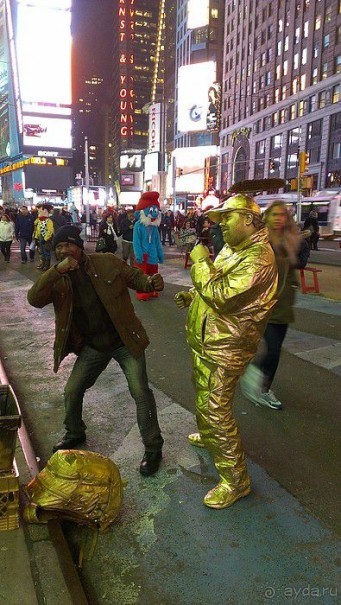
279,545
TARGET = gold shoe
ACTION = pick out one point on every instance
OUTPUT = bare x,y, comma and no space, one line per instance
195,439
223,496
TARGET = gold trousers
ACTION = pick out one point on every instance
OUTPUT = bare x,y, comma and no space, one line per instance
217,426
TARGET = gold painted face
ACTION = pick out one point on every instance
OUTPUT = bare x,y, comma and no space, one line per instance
234,226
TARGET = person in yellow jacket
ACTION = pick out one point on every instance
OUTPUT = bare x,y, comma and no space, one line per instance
228,309
43,234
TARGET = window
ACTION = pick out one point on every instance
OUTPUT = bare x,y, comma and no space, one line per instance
293,111
328,14
292,161
336,151
277,93
269,55
336,94
295,86
338,35
294,135
301,107
260,148
286,43
317,22
214,13
303,81
312,103
316,51
324,71
314,79
326,40
338,64
279,48
304,56
276,142
263,59
284,91
267,78
297,35
322,99
280,25
306,29
278,72
285,68
314,129
295,60
275,118
282,116
254,86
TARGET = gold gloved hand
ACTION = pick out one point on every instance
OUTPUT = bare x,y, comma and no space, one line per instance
182,299
199,252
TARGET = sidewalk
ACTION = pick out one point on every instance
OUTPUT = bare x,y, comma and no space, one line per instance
267,550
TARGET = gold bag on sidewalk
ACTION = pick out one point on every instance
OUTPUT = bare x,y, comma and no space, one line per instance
78,486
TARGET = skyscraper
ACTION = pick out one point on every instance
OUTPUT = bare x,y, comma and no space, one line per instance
135,53
281,91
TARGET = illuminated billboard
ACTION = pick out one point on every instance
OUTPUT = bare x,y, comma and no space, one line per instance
42,132
43,43
132,162
198,13
195,101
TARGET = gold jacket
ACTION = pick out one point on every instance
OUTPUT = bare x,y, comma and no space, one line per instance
232,299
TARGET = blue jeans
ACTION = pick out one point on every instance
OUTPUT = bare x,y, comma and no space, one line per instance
88,366
25,241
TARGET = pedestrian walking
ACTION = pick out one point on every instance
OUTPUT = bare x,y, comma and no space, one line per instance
229,305
43,234
24,226
95,319
292,252
108,231
127,229
312,224
7,233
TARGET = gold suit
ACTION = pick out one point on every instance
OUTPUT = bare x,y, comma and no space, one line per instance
231,301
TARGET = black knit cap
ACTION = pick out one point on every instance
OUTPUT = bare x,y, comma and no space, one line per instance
68,233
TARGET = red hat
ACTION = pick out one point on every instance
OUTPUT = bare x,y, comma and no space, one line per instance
149,198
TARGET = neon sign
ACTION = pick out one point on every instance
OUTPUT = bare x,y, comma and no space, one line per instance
126,14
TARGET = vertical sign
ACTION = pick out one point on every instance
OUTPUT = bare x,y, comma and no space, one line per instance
154,127
126,14
4,113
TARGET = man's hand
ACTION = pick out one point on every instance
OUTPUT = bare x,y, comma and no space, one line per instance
157,282
67,265
182,299
199,252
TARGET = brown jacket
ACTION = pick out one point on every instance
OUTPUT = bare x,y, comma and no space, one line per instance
111,278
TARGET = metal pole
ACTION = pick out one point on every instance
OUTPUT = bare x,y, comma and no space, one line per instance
174,181
87,180
299,213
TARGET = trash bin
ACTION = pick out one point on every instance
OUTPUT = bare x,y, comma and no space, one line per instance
10,420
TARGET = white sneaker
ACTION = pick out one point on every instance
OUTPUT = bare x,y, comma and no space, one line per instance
269,400
251,383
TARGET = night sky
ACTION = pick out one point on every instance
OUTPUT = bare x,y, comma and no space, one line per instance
92,35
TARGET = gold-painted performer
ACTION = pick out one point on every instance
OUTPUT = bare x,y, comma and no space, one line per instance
229,306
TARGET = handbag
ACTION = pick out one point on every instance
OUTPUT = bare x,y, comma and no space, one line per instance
100,245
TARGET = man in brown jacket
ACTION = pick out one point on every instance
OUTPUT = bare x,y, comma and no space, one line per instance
95,319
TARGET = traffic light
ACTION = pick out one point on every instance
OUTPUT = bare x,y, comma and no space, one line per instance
179,172
304,161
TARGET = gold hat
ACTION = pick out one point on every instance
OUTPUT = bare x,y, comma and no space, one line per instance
236,202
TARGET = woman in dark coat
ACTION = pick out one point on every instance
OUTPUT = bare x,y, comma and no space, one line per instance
292,252
108,230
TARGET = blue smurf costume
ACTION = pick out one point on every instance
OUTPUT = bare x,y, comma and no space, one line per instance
146,238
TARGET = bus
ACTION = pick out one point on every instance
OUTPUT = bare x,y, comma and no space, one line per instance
327,205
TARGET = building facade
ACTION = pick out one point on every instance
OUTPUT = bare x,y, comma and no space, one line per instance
135,54
281,92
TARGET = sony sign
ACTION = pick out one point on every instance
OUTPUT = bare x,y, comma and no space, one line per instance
48,154
154,128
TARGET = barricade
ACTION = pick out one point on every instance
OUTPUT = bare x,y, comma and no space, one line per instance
9,499
10,420
316,286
